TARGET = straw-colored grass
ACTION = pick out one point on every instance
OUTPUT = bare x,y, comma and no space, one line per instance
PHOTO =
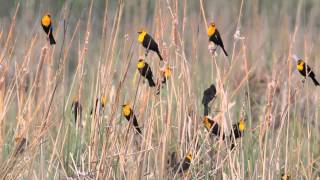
96,55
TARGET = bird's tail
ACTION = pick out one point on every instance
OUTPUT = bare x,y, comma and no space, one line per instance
316,83
206,110
75,113
136,125
138,130
164,80
51,39
151,82
159,55
225,52
232,146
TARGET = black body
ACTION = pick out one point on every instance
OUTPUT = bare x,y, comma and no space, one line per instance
182,168
236,133
48,30
208,96
76,110
150,44
134,122
216,39
147,73
215,129
308,72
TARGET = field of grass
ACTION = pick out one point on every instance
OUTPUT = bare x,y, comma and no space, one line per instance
96,55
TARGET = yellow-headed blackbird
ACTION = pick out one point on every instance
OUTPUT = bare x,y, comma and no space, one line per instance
237,131
103,102
183,166
285,177
148,42
208,96
215,37
145,71
21,145
128,114
213,127
47,27
305,70
166,73
76,109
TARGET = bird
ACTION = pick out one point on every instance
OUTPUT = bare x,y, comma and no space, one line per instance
237,131
21,145
305,70
213,127
128,114
148,42
103,102
183,166
46,23
145,71
208,96
166,73
214,36
76,109
285,177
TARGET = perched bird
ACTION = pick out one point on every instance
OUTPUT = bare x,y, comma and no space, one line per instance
208,96
145,71
128,114
285,177
237,131
148,42
76,109
305,70
47,27
213,127
183,166
166,74
103,102
21,145
215,37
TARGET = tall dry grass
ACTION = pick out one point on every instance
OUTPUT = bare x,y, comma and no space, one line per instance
96,55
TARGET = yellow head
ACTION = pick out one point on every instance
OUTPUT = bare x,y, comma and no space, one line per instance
242,125
167,72
207,123
103,100
74,99
126,110
211,29
141,64
189,156
300,65
285,177
142,33
46,20
17,139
